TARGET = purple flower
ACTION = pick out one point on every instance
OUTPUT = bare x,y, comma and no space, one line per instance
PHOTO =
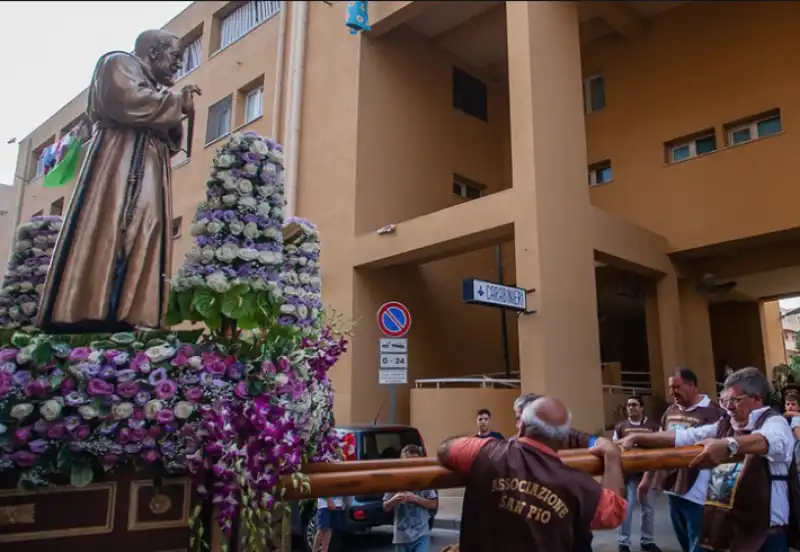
38,446
36,388
100,388
76,398
235,371
107,373
90,370
125,375
141,363
79,354
21,377
82,432
151,456
157,376
216,368
241,390
22,435
142,397
24,459
71,422
8,355
165,416
166,389
5,383
127,389
194,394
56,431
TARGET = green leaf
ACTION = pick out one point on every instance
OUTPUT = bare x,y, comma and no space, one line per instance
173,317
56,381
20,340
43,353
206,303
184,303
64,459
80,476
247,322
214,322
255,387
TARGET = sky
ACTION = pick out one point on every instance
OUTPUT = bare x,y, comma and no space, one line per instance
47,54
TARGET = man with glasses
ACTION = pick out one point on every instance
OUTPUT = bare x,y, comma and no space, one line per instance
747,504
636,423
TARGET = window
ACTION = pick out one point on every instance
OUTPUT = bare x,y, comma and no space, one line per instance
754,128
40,165
41,157
594,93
244,19
692,146
253,104
470,95
219,119
186,144
600,173
57,207
466,188
176,227
191,56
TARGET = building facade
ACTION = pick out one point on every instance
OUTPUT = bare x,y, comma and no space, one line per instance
629,163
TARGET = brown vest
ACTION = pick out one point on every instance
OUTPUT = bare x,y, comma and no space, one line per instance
521,498
737,510
680,481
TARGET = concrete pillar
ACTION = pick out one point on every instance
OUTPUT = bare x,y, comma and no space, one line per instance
654,351
772,335
670,328
559,345
697,337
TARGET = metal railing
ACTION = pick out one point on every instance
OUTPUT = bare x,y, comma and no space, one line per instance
477,381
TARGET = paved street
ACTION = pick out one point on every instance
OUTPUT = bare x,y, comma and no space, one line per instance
380,540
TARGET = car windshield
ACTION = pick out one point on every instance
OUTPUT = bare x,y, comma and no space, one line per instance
384,445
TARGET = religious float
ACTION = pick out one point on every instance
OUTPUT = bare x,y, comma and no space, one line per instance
169,440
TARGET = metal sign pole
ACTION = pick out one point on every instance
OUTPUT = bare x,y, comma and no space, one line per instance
392,403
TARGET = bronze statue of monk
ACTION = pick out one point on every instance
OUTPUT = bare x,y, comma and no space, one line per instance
113,257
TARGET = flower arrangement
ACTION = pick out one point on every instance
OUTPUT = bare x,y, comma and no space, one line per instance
232,272
302,285
237,410
26,272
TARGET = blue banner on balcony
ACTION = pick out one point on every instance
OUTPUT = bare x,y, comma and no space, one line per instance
357,17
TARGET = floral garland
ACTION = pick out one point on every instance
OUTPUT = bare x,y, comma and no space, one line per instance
237,410
26,272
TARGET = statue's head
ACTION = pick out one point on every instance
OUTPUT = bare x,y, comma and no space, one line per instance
161,52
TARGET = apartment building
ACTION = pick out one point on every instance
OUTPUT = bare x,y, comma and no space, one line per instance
629,163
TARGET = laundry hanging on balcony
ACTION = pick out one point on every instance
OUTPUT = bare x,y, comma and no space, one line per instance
357,17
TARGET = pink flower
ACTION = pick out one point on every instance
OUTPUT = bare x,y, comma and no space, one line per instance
22,435
284,365
194,394
137,415
166,389
125,435
24,458
154,431
67,386
165,416
241,390
100,388
217,368
56,431
268,368
79,354
82,432
36,388
127,389
150,456
141,363
5,383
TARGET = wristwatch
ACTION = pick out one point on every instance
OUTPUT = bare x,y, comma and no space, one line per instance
733,446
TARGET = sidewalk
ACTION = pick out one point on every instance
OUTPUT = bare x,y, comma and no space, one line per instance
449,517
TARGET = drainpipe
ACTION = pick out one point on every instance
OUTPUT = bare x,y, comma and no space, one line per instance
277,103
503,321
295,104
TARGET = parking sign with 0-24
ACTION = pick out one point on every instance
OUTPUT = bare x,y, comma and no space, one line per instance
394,360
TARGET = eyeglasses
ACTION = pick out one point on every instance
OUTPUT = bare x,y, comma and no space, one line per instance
733,401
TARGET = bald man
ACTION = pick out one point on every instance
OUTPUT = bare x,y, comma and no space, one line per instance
520,496
575,440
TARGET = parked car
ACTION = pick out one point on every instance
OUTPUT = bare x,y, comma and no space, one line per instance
363,512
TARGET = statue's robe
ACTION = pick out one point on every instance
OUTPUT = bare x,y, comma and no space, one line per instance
112,261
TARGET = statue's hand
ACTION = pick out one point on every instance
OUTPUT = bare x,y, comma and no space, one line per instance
187,94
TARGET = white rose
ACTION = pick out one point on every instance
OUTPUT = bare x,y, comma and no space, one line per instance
183,410
229,199
160,353
218,282
287,309
265,191
269,257
198,227
263,209
248,254
259,147
122,411
250,169
95,357
50,410
87,412
244,186
229,184
273,233
214,227
152,408
207,253
21,411
251,230
227,252
248,202
195,361
281,379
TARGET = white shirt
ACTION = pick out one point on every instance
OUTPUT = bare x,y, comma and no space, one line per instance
616,437
697,493
780,441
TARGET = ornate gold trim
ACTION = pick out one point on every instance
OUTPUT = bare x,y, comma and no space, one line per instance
111,487
133,507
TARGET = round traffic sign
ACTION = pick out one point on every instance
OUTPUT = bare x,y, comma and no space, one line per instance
394,319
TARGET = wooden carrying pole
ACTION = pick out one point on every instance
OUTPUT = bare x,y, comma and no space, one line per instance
414,474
